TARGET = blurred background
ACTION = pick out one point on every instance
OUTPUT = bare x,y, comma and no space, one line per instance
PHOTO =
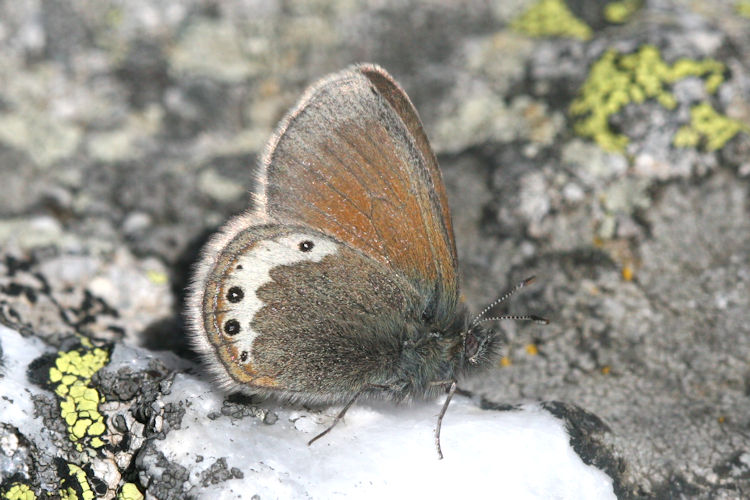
603,146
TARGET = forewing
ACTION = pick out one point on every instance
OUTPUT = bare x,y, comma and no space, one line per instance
352,160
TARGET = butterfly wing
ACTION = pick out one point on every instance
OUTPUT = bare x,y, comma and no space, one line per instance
352,160
274,315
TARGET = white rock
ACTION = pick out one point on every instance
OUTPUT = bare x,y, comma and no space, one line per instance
382,450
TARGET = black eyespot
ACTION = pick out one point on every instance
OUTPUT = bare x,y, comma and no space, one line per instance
235,294
239,266
243,356
306,246
232,327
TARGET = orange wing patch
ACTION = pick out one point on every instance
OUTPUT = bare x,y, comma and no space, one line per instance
353,161
397,98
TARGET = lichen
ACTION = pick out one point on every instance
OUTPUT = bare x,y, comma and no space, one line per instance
620,12
616,80
743,8
157,277
19,491
708,128
79,405
627,273
75,485
551,18
129,491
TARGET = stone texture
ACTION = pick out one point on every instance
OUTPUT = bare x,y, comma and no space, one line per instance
128,134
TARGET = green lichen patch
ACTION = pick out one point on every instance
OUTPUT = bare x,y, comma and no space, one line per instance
129,491
743,8
79,405
708,128
74,484
18,491
616,80
551,18
621,12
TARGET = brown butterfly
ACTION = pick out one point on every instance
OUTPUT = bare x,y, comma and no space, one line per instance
342,281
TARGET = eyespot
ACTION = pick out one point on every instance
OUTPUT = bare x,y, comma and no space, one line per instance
232,327
306,246
243,356
235,294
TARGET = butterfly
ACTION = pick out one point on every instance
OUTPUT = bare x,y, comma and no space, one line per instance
342,279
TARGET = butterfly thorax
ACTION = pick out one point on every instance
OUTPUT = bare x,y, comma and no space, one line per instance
432,355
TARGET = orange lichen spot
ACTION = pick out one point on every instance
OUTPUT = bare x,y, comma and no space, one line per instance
627,273
606,369
532,349
505,361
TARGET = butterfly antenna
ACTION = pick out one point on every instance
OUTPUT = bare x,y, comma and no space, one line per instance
478,318
525,317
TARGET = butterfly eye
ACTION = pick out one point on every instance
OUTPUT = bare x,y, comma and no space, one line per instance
471,346
306,246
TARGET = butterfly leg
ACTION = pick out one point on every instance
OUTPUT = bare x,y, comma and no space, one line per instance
451,391
340,415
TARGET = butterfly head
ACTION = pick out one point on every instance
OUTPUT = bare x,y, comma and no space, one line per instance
481,345
461,347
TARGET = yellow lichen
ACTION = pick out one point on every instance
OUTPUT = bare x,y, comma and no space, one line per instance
96,442
129,491
551,18
157,277
79,403
708,128
743,8
76,485
532,349
620,12
616,80
19,491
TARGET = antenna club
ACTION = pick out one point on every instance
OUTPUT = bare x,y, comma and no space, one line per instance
539,319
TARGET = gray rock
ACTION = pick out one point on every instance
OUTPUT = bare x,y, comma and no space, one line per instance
128,135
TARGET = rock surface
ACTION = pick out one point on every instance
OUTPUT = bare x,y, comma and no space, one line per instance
603,146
